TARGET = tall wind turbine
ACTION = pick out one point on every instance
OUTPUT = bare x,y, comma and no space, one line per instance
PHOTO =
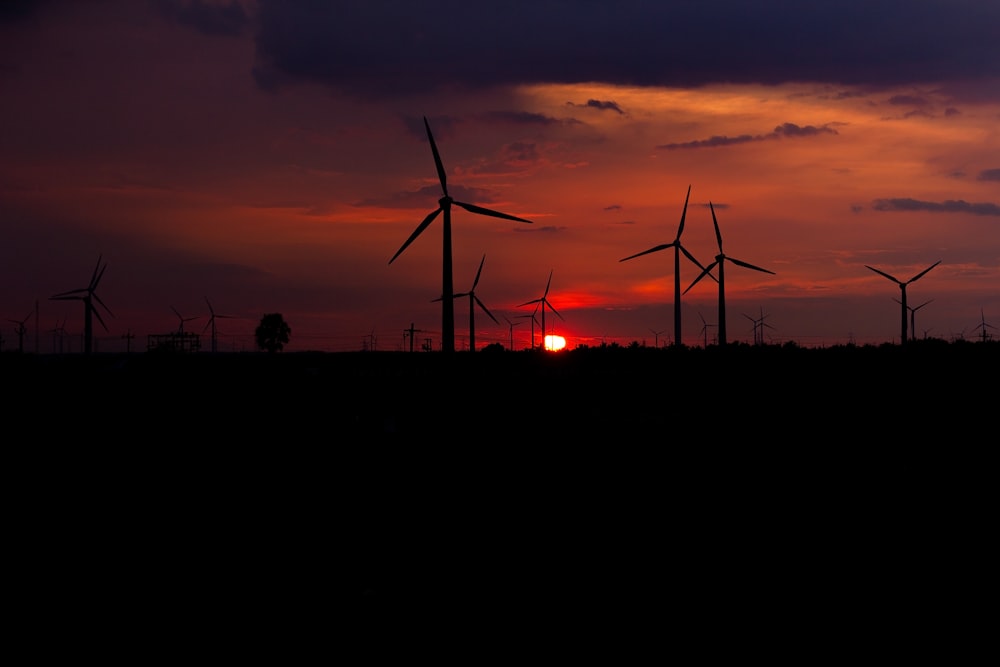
444,206
543,301
473,302
211,322
678,249
89,296
902,289
720,261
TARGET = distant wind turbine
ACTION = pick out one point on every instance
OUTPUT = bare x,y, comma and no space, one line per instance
720,261
534,321
211,322
444,206
656,337
473,302
20,330
704,328
183,319
543,301
511,326
678,249
89,296
913,313
983,326
902,289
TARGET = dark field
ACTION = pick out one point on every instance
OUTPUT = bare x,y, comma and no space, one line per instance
747,501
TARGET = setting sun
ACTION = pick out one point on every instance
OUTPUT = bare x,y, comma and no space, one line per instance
554,343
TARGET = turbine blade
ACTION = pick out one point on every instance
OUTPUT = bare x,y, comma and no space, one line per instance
691,257
94,276
884,274
478,273
702,275
98,300
749,266
472,208
423,225
924,271
97,278
718,234
437,159
680,229
485,309
97,314
554,310
646,252
548,285
71,292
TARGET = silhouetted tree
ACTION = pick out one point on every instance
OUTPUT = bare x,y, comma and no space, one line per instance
272,332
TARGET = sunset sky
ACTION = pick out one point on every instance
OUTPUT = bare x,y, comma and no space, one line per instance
271,156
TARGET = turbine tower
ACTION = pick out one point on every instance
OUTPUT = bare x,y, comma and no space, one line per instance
444,206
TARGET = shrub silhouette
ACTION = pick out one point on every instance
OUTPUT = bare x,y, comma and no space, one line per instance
272,333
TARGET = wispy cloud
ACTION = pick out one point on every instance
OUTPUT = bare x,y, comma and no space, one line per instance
947,206
783,130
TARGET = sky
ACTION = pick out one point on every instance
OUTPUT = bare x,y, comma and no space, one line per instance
270,156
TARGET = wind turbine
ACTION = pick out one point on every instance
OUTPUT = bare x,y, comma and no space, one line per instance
21,329
902,289
88,295
511,326
678,249
704,328
444,206
473,302
543,301
211,321
534,321
720,261
183,319
656,337
984,326
758,327
913,312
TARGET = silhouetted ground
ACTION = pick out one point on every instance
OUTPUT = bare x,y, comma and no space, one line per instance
767,501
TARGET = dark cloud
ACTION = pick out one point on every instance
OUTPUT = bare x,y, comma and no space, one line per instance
989,175
947,206
599,105
210,18
389,47
783,130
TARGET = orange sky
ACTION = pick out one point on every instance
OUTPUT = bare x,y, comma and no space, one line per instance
142,137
